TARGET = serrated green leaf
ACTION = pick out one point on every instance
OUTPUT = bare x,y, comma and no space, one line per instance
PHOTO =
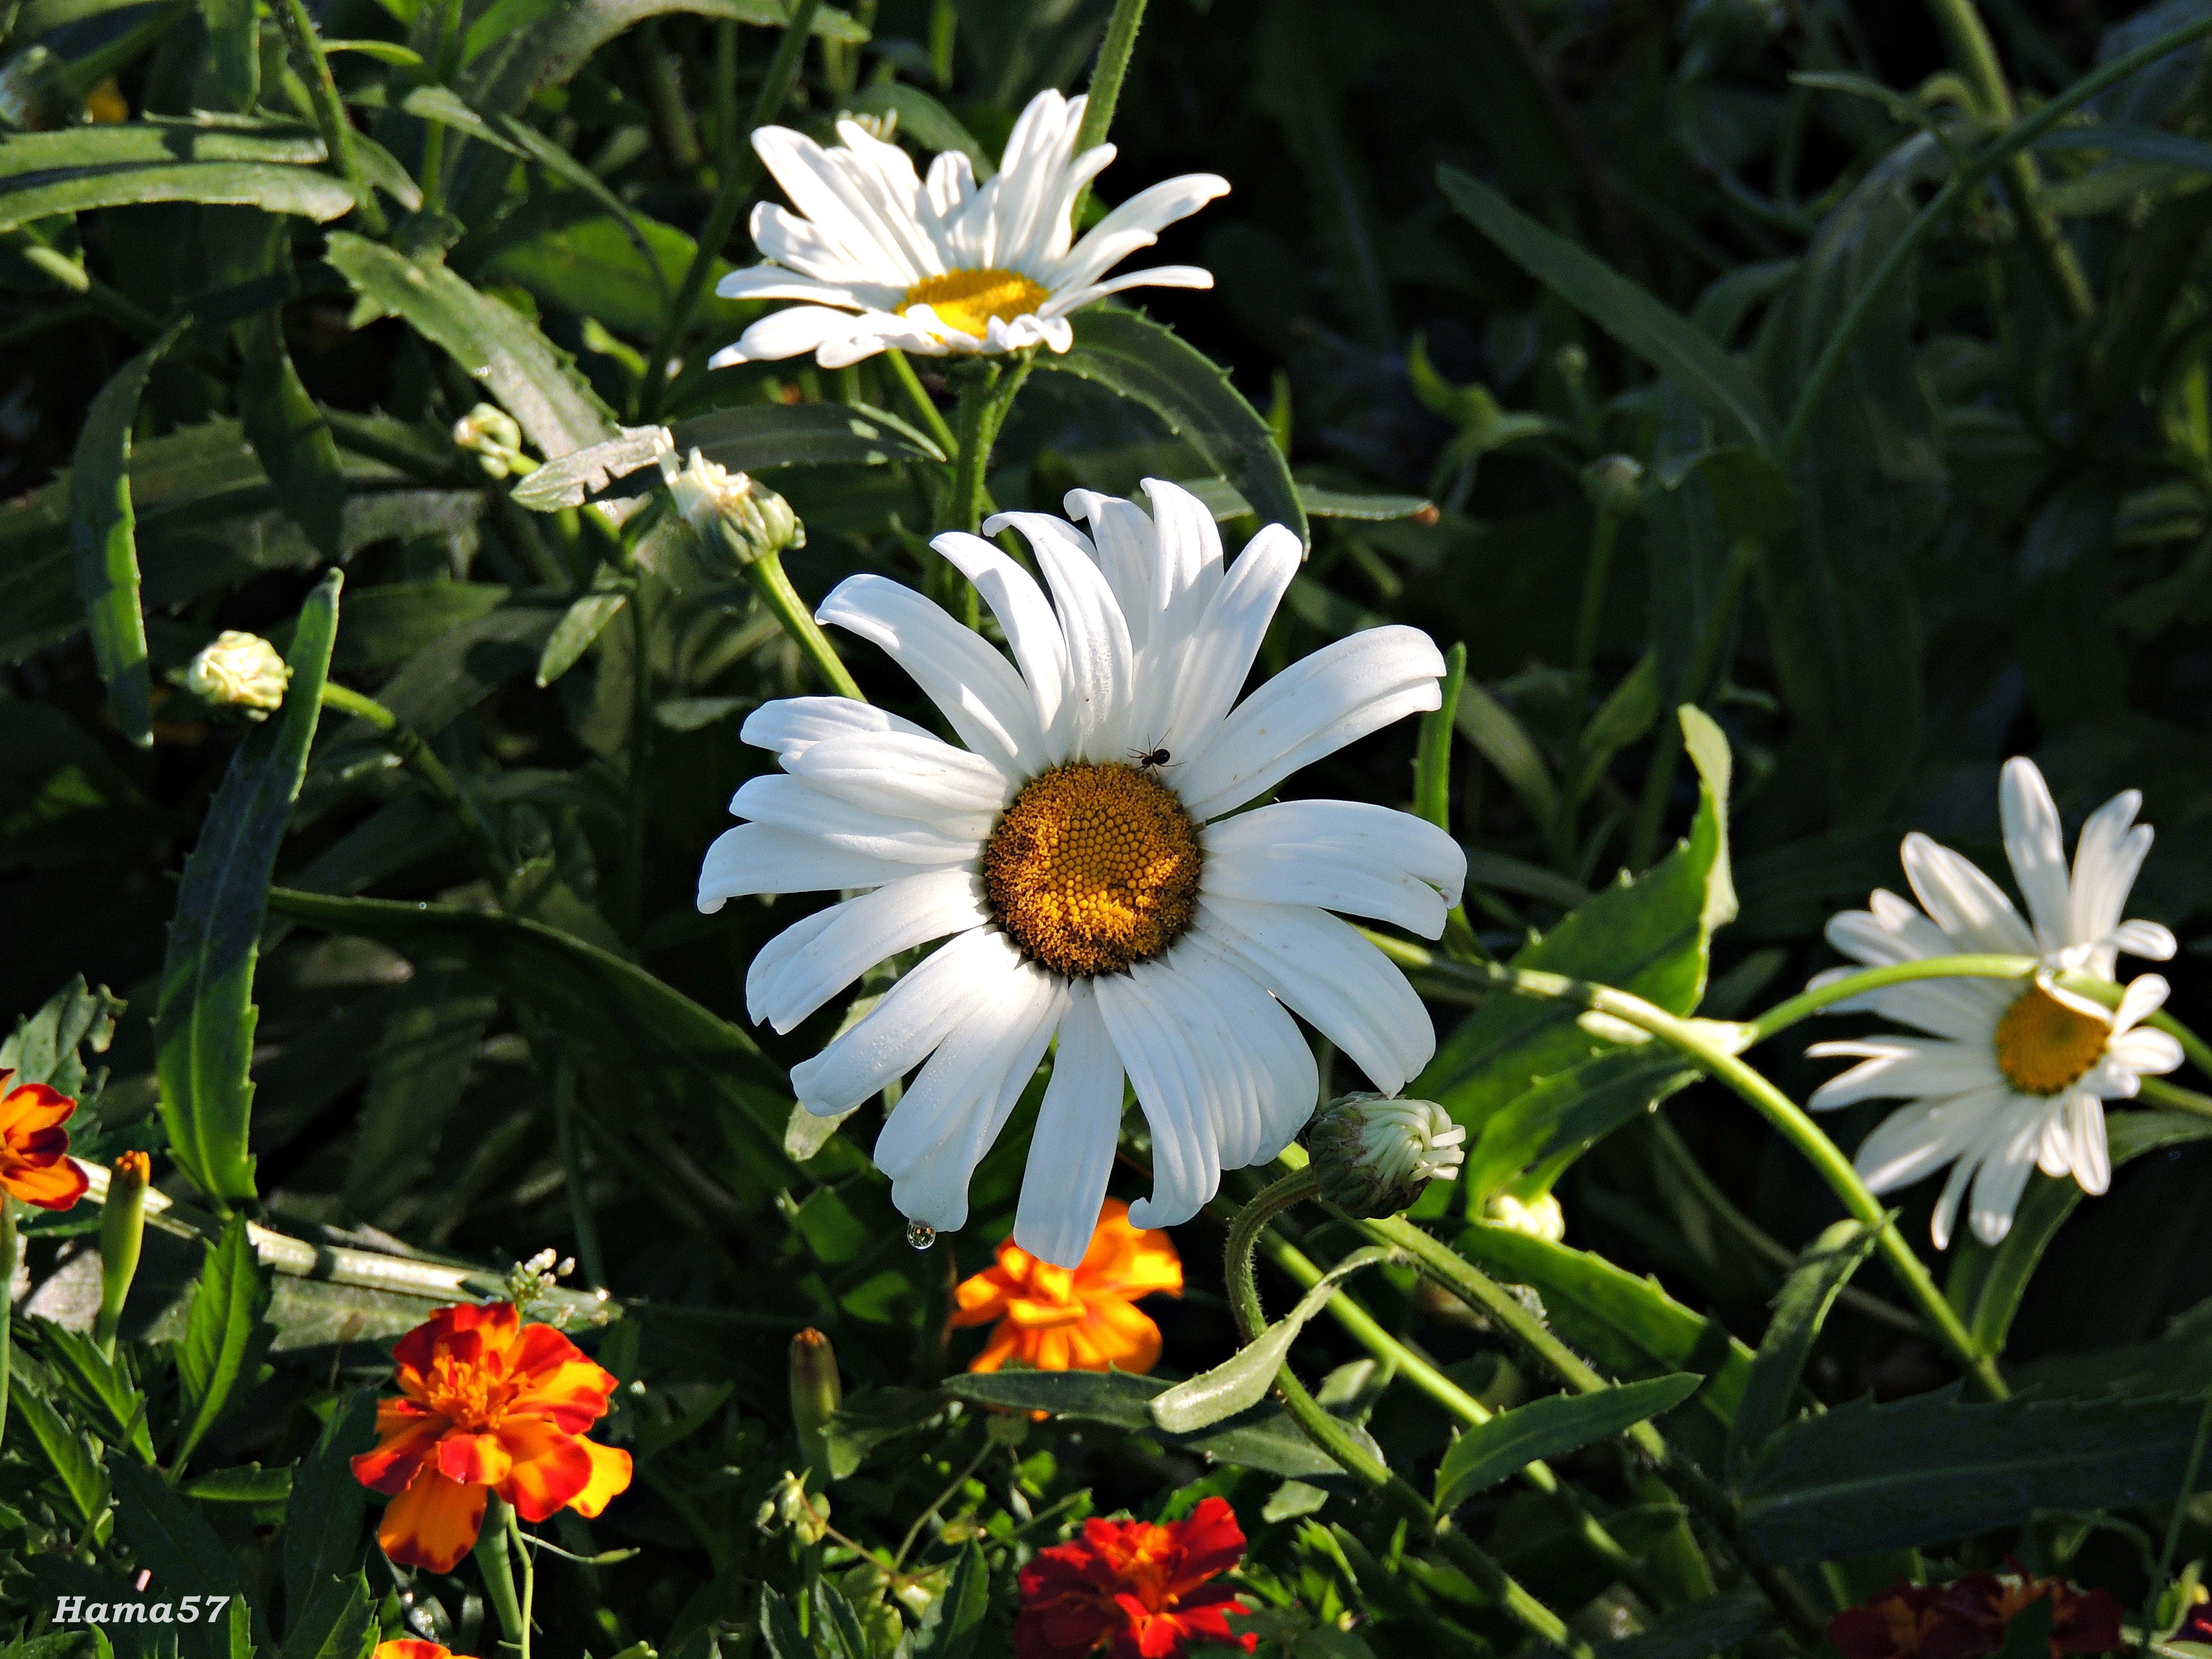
1671,343
954,1622
337,1621
1135,357
204,1028
422,1063
1924,1470
74,1458
779,1630
167,1537
43,1048
103,528
323,1517
1487,1453
100,1389
837,1629
225,1333
1823,1268
304,191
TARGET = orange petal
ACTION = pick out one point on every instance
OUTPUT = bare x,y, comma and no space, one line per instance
557,1381
609,1477
407,1437
550,1467
54,1187
475,1459
981,1298
998,1350
411,1648
32,1106
434,1523
1121,1335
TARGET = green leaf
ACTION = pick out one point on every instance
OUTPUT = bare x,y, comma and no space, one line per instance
338,1621
43,1046
167,1537
1558,1118
1652,937
242,1483
73,1457
306,192
1243,1381
779,1630
422,1064
204,1028
1924,1470
1987,1282
290,436
225,1333
584,622
2135,144
494,343
101,1390
1672,344
1823,1268
1135,357
673,1048
234,32
1484,1454
1224,500
104,529
954,1623
1717,1625
1500,738
1262,1438
1627,1326
390,624
324,1514
836,1627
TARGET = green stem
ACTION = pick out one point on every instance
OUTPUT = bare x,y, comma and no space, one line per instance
1695,1040
498,1571
1697,685
767,576
7,1302
902,368
2167,1094
529,1578
736,184
664,95
636,795
986,392
1597,573
1902,252
330,112
419,758
1105,89
580,1218
433,132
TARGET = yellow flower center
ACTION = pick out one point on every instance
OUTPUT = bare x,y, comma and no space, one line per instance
1092,868
2043,1044
968,299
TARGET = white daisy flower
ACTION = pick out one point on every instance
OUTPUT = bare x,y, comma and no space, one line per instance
880,256
2010,1078
1080,852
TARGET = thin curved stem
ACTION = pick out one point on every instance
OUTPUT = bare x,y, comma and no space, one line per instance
901,367
1105,88
2167,1094
767,576
1244,1235
1901,252
419,758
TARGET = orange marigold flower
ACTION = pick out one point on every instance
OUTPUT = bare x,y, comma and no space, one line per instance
1966,1619
409,1647
34,1164
1134,1590
1055,1319
488,1403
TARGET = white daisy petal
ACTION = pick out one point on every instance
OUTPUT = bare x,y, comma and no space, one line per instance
788,333
1319,876
984,699
1954,1189
1966,903
804,966
835,199
1232,1070
1289,1079
1026,617
792,724
2002,1178
1340,984
1900,1066
761,858
1227,639
2106,862
1156,276
2145,995
1079,1126
1347,689
1357,838
1143,215
2037,853
975,971
1099,661
1122,535
908,775
1916,1140
2146,939
1966,1010
2144,1052
1172,1092
2092,1154
792,803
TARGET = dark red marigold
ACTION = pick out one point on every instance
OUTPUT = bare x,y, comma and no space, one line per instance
1966,1619
1134,1590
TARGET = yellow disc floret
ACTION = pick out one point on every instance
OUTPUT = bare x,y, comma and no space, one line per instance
1092,869
2044,1044
968,299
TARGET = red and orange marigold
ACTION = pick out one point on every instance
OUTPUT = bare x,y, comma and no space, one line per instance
34,1163
1079,1319
1133,1590
410,1647
1966,1619
487,1404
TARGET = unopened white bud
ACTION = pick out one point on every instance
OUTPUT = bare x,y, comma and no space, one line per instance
239,671
489,433
737,519
1540,1217
1374,1154
876,126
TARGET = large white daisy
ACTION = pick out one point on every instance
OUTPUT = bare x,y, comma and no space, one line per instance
1080,852
2010,1078
879,257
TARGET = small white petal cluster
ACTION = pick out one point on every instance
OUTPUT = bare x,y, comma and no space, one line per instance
870,233
239,671
1374,1154
2010,1076
729,511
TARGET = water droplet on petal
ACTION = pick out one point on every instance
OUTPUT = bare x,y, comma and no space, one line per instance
920,1235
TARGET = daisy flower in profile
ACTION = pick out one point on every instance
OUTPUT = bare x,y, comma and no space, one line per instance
1080,854
878,256
1134,1590
1082,1318
2010,1076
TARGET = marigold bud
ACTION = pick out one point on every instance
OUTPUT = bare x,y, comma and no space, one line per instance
737,520
1540,1217
1614,484
491,435
817,1391
1373,1154
239,671
122,1233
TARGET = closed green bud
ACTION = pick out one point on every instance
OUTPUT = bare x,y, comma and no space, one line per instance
736,519
122,1233
817,1391
1540,1217
242,671
1614,484
491,435
1373,1154
790,1505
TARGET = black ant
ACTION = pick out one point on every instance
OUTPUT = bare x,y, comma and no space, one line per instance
1148,760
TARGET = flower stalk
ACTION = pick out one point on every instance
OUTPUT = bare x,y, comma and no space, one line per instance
1104,92
330,112
7,1302
498,1571
420,759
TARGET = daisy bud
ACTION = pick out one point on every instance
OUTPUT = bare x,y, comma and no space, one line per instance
730,513
1374,1154
1614,484
817,1391
790,1505
490,434
1539,1217
122,1231
239,671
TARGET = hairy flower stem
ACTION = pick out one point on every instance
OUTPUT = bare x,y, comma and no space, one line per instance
1332,1437
986,392
1105,89
330,112
769,580
420,759
735,184
1778,1108
901,367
